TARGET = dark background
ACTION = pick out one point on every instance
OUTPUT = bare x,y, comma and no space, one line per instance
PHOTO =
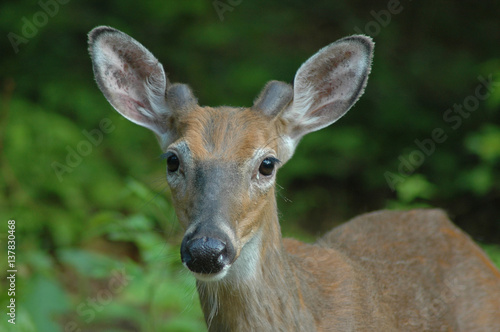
91,220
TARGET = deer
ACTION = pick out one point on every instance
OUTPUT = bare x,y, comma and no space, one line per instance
381,271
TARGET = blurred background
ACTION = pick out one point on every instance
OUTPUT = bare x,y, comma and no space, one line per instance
97,239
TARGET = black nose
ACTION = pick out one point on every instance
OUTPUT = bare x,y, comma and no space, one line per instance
206,255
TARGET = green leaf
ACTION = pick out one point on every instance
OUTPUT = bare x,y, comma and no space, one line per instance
479,179
485,143
45,301
415,186
87,263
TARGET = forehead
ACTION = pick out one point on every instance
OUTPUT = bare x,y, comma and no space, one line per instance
227,133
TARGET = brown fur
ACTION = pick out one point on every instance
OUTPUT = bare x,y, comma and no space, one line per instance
364,276
226,134
383,271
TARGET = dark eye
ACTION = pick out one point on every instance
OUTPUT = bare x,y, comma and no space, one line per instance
267,166
172,163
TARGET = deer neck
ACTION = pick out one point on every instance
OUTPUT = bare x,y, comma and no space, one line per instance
261,291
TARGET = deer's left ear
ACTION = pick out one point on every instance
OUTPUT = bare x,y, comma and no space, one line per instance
326,86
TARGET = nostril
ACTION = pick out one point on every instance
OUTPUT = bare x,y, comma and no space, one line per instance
205,255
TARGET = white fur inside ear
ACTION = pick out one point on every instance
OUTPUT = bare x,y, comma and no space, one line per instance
328,84
131,78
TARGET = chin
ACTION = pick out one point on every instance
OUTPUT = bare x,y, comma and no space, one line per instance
211,277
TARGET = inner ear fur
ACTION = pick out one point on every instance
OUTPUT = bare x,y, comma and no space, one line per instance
328,84
274,97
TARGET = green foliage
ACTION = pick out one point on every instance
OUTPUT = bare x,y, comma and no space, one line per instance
90,220
415,187
486,143
493,251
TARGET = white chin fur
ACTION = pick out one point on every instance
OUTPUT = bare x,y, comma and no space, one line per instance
242,269
211,277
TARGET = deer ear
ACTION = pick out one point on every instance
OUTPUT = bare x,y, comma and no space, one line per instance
273,98
131,79
327,85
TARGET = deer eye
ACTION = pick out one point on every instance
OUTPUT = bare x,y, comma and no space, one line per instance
266,168
172,162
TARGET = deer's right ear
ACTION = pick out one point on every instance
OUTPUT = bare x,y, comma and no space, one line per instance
131,79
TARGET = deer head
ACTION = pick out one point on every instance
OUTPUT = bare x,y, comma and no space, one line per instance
222,162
